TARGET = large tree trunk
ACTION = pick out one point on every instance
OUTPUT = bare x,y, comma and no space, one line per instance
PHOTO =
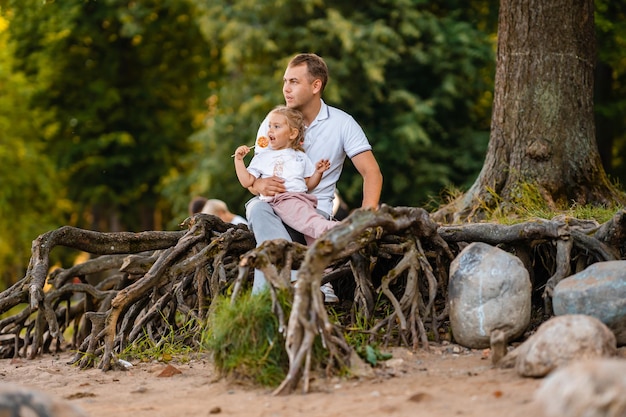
542,128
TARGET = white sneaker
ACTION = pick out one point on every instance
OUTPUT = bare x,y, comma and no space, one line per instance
329,294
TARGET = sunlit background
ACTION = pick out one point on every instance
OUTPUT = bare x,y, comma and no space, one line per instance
115,114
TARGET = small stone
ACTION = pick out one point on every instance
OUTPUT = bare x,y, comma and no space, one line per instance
169,371
420,397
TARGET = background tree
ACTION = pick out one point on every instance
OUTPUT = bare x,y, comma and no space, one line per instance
542,127
119,86
32,194
610,87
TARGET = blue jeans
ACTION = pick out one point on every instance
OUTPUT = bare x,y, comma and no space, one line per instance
266,225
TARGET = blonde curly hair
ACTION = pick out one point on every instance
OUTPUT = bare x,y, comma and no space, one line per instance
295,119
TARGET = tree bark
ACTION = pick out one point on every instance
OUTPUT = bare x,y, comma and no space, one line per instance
542,128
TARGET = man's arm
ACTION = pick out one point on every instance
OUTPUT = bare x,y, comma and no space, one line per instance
366,164
268,186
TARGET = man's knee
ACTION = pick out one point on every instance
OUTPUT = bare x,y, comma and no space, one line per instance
256,207
258,212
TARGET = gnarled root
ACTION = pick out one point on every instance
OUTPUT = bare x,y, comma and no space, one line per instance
309,317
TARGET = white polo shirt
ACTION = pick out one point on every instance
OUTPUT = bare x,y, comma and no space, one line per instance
333,135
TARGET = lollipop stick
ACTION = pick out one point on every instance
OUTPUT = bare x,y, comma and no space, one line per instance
251,147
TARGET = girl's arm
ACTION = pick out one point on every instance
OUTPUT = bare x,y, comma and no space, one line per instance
245,178
320,167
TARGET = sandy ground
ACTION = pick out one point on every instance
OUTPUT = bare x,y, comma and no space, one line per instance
446,381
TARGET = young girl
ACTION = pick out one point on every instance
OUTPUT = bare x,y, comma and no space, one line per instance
285,158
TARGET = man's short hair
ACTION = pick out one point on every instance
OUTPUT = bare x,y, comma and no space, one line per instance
316,67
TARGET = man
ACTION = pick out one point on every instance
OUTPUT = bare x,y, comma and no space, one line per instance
331,134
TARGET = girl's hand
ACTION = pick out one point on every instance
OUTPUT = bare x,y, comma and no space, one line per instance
241,151
322,165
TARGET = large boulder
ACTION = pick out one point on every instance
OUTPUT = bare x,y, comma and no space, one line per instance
598,291
489,290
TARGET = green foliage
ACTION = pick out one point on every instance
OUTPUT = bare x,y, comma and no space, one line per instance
119,87
32,192
358,335
372,355
600,214
423,104
610,86
245,340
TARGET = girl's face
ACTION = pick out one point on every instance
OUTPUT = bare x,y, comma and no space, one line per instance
280,133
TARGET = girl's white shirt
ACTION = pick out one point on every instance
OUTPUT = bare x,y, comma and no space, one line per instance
333,135
291,165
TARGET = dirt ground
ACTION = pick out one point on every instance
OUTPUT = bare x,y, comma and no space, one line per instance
445,381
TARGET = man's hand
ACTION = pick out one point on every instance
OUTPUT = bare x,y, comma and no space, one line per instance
268,186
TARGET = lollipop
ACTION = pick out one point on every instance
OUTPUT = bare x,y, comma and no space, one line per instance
262,141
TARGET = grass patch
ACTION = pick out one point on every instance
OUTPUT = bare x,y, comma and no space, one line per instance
175,344
358,336
245,340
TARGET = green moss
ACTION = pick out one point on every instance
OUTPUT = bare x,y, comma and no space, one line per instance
527,202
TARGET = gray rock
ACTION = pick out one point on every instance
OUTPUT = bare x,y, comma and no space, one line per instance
559,341
16,401
598,291
489,290
588,388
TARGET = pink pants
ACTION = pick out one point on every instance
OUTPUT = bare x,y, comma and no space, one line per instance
297,210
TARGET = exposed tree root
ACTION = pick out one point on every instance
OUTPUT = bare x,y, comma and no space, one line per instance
357,233
390,266
138,281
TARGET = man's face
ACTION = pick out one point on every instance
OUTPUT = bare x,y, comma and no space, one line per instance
298,90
